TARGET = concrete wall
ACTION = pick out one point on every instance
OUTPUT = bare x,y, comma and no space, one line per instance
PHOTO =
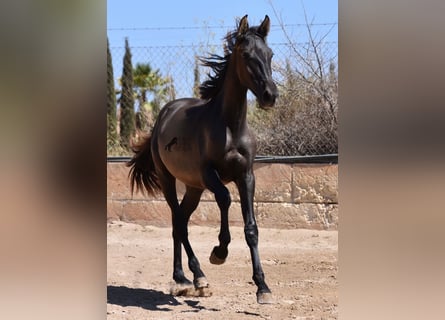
287,196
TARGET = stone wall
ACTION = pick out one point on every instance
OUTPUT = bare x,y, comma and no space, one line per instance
286,196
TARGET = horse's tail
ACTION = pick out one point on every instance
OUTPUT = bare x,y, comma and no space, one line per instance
142,168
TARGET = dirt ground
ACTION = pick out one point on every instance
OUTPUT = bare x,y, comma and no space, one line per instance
300,268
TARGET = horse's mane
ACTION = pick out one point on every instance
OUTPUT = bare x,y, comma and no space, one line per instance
210,88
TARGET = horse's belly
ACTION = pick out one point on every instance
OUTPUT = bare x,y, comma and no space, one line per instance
182,162
187,175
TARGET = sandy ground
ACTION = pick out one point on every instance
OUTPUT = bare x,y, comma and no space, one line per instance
300,268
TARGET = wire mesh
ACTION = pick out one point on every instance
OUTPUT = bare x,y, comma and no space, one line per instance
304,121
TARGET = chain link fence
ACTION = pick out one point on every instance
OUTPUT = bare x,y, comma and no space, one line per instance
304,121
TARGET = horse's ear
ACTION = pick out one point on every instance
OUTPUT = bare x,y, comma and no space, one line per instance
264,28
243,26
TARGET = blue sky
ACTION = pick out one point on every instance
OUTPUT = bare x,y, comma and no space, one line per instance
124,14
176,23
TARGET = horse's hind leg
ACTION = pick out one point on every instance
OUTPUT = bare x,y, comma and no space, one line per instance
187,206
180,216
222,197
178,272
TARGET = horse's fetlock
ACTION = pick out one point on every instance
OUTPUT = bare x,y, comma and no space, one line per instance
224,238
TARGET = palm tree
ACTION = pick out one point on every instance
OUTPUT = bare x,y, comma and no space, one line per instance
148,82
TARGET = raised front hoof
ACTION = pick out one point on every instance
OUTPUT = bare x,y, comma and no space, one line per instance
265,298
218,256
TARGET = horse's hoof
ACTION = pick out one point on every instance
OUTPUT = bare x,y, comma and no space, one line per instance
202,287
214,259
182,289
203,292
201,283
189,290
265,298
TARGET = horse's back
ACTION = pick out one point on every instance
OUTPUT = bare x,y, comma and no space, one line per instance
178,105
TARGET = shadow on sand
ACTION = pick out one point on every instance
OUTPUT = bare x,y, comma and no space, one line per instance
145,298
148,299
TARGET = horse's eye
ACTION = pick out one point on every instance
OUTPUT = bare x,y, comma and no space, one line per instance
246,55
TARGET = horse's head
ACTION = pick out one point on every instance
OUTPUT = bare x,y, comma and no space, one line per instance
254,58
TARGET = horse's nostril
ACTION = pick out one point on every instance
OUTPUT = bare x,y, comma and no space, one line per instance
267,96
274,97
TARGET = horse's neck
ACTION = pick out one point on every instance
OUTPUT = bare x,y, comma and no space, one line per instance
234,102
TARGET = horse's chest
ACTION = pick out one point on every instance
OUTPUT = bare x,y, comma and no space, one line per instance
237,156
232,165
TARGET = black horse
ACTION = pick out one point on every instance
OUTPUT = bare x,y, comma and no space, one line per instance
206,143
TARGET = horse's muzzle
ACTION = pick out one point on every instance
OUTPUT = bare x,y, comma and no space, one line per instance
269,96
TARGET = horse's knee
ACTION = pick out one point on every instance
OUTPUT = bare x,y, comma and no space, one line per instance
251,235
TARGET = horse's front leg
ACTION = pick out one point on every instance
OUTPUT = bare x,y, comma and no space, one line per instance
246,187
